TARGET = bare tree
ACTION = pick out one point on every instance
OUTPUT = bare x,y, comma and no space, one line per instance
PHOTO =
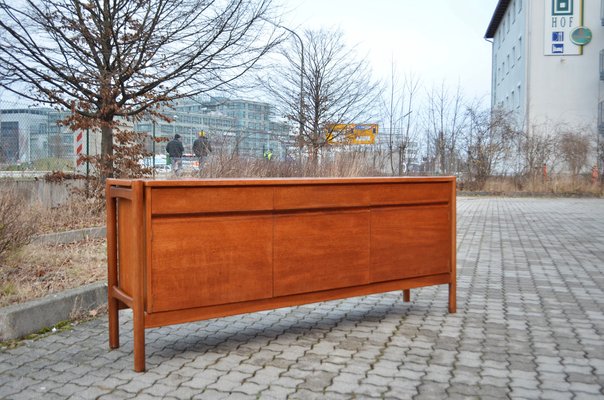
574,150
399,112
487,143
537,150
445,119
337,87
105,59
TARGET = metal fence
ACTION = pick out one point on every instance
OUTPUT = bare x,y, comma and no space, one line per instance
30,139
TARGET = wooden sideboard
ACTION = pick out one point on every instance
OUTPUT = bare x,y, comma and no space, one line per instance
188,250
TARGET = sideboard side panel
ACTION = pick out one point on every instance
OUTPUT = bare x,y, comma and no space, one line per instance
126,245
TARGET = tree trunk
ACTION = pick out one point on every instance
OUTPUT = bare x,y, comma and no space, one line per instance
107,150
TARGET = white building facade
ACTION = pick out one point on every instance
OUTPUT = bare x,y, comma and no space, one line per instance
547,63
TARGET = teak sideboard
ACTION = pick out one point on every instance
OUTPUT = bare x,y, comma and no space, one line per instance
188,250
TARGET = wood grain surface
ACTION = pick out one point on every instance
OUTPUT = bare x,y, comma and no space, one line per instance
185,250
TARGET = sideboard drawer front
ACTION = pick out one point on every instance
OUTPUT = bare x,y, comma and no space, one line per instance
410,193
319,251
408,242
191,200
210,260
320,196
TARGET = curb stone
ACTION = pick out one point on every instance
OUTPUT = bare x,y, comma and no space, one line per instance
20,320
71,236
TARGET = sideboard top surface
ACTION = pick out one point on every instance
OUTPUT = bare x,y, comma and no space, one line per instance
278,181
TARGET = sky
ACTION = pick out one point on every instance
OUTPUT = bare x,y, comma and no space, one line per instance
438,40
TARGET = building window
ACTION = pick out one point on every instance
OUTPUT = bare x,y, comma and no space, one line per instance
519,47
508,24
519,6
513,7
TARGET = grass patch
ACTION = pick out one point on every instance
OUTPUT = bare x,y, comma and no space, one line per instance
37,270
78,213
59,327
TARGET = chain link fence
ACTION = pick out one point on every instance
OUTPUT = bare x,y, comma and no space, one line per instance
31,140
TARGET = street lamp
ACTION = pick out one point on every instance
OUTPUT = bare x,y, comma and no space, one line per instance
301,112
301,115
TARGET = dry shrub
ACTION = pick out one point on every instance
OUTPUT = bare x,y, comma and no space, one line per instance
347,164
554,184
17,225
76,213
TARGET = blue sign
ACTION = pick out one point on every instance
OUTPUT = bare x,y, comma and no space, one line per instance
557,36
558,48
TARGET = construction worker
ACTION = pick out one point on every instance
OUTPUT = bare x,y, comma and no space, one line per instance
175,150
201,148
268,154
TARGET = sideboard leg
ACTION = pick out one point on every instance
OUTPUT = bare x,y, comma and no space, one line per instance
139,342
407,295
112,275
114,325
452,297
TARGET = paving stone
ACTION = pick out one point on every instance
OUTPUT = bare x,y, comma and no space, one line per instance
203,379
585,396
211,395
250,388
467,391
432,390
276,392
578,387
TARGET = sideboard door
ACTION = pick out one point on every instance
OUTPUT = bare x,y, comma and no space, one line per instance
321,250
210,260
410,241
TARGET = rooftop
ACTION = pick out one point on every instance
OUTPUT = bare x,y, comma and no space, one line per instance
502,6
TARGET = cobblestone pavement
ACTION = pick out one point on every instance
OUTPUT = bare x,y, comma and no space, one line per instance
530,324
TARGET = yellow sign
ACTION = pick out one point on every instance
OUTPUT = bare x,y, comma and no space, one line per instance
351,133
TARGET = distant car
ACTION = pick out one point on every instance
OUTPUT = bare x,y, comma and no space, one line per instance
160,162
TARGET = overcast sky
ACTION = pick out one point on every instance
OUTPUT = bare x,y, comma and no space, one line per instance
436,39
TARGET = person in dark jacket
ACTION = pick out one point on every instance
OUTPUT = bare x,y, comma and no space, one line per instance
175,150
201,148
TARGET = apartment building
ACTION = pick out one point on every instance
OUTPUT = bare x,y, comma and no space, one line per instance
548,63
